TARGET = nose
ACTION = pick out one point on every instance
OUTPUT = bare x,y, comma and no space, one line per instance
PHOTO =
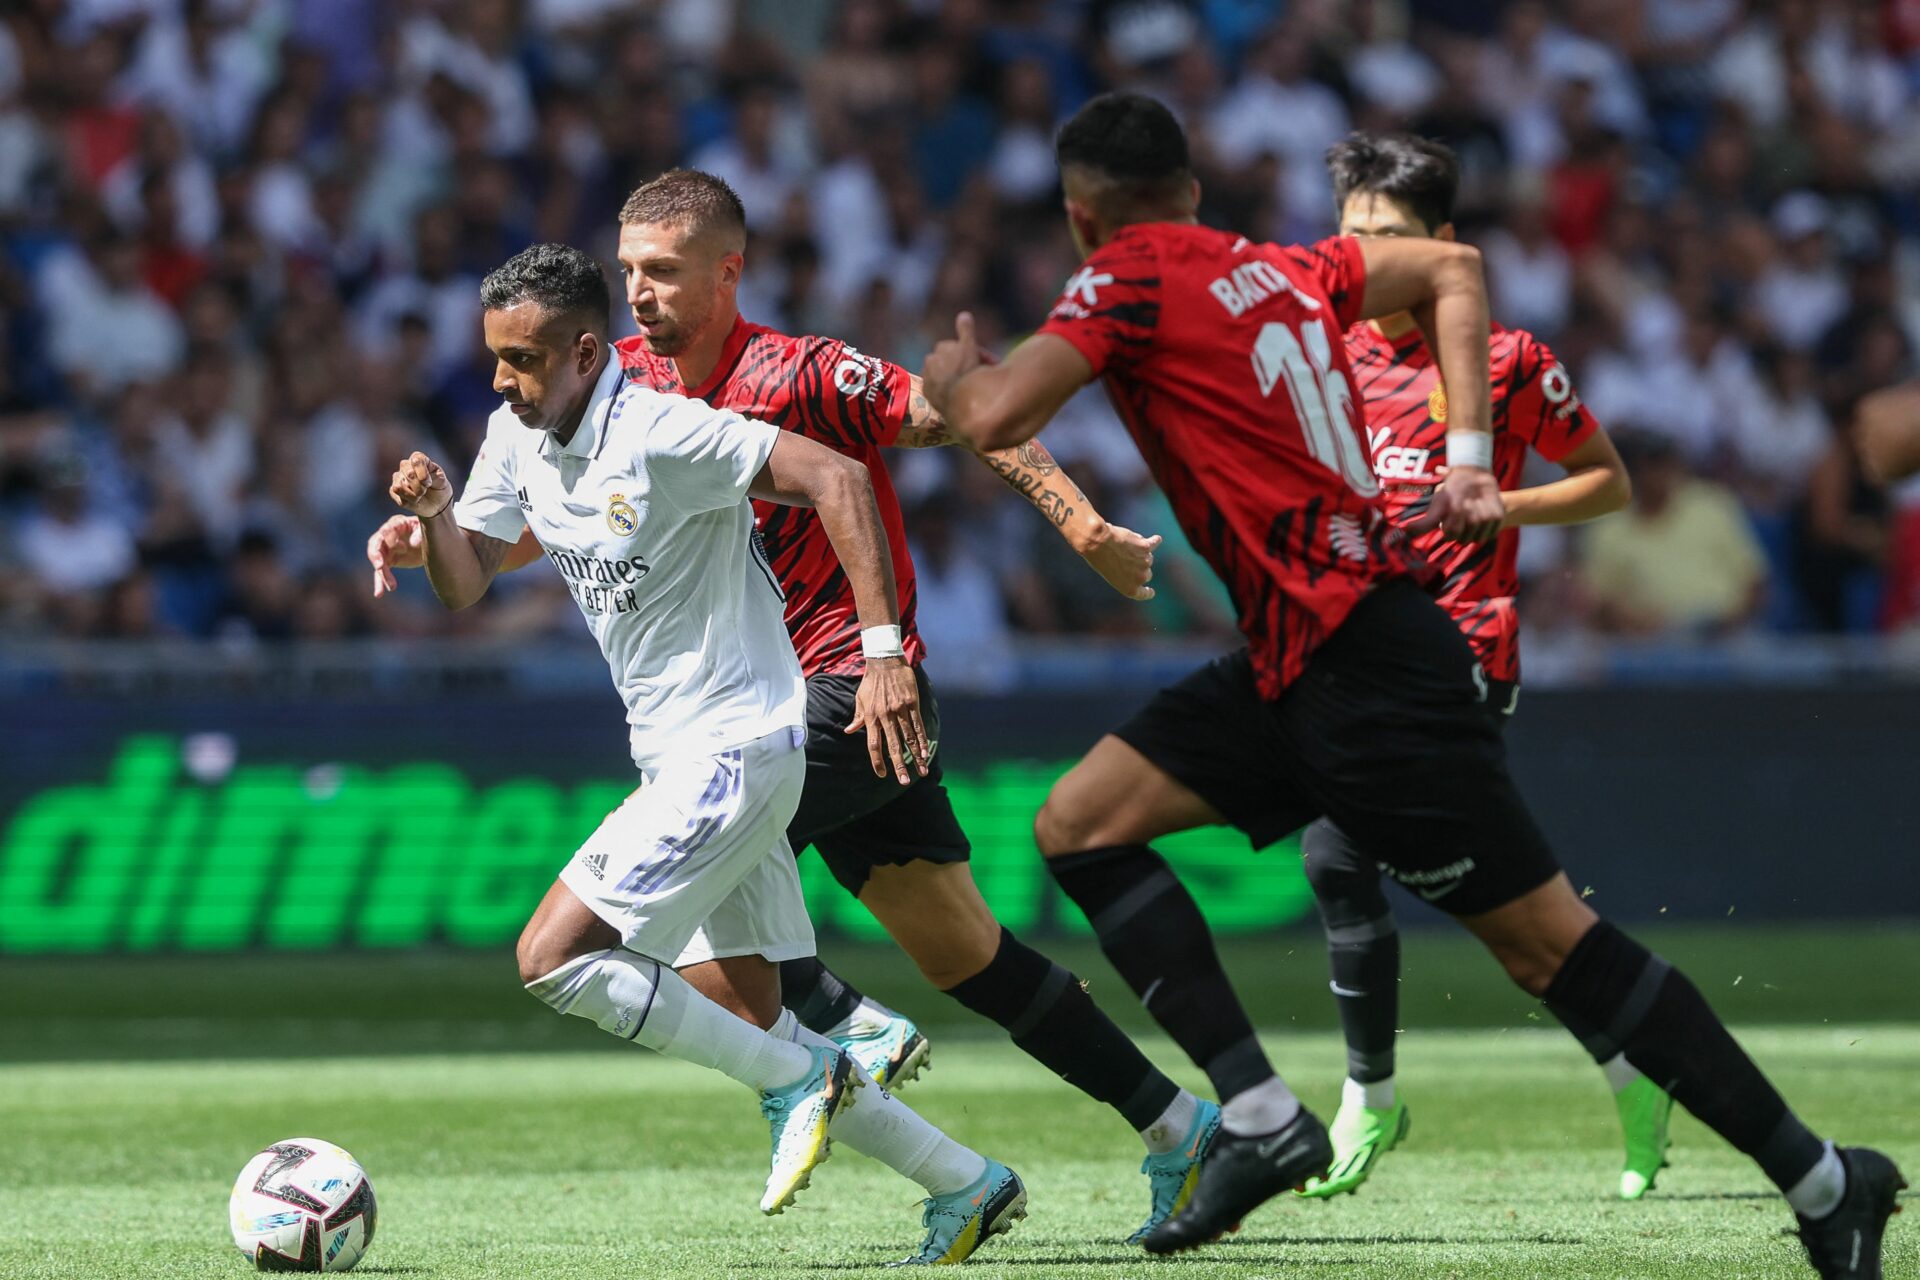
502,377
639,290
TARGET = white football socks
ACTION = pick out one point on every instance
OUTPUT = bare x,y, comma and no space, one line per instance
1266,1108
1619,1072
893,1133
1819,1193
1171,1128
1375,1094
637,999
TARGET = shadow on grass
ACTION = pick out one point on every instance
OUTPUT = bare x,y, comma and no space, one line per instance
1714,1195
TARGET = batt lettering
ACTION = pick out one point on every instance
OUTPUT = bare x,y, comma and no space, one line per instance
1252,283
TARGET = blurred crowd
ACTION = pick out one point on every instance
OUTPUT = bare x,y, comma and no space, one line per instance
240,245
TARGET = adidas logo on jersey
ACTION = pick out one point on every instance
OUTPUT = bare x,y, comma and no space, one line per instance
597,863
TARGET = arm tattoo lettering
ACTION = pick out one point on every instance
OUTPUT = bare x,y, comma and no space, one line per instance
1028,484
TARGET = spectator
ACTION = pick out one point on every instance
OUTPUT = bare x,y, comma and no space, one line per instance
106,327
1843,540
1803,293
71,548
204,449
959,601
763,169
1680,560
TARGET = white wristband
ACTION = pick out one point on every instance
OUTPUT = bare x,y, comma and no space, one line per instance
881,642
1470,449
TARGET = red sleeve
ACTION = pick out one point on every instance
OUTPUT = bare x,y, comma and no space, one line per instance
1340,268
848,398
1542,407
1110,307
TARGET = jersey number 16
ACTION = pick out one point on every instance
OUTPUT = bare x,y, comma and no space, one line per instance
1322,400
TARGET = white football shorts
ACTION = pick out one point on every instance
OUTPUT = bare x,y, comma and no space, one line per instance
695,865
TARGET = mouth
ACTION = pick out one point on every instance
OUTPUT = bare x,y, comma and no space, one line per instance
520,408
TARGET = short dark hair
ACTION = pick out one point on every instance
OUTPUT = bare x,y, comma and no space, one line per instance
560,278
1130,141
1420,173
689,197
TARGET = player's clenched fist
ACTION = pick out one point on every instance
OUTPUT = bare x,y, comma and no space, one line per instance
1466,504
421,486
398,544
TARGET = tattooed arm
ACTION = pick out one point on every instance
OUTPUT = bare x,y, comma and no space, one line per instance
1121,556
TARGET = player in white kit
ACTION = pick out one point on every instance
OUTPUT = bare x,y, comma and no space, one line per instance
641,502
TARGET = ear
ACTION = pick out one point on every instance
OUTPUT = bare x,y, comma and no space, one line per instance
1445,231
1085,225
586,352
731,265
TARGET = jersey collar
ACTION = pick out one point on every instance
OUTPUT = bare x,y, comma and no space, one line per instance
592,431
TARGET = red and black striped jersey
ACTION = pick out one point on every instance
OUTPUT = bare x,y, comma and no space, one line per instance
1224,359
1534,405
829,392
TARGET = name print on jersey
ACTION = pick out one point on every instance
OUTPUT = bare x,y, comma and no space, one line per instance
599,584
1251,283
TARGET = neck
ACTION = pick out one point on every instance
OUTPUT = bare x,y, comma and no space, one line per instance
1165,215
1394,326
697,363
576,414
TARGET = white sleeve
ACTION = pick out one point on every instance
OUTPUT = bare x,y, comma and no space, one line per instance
490,503
702,458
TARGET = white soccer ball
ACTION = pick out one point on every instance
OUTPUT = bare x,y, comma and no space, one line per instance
302,1205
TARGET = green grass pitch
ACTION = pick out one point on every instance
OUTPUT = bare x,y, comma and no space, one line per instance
505,1142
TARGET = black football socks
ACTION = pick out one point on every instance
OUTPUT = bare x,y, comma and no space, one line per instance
819,997
1052,1018
1619,997
1363,948
1152,931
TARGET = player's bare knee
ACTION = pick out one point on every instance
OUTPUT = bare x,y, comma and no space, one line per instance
1064,824
1531,967
537,954
956,959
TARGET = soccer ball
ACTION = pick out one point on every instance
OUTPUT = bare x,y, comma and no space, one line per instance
302,1205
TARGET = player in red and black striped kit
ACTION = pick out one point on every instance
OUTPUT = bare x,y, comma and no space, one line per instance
1356,696
891,840
1399,185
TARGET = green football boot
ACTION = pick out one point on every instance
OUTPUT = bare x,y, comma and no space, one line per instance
1644,1111
1361,1135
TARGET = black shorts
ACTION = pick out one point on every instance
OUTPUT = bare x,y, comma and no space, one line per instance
858,821
1387,733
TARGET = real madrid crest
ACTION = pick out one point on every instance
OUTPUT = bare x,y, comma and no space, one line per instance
1437,403
621,517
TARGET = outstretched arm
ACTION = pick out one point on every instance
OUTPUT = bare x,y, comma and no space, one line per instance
400,543
804,473
999,404
1118,554
461,563
1595,485
1443,285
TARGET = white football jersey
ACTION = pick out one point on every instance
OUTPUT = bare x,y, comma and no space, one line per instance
645,514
